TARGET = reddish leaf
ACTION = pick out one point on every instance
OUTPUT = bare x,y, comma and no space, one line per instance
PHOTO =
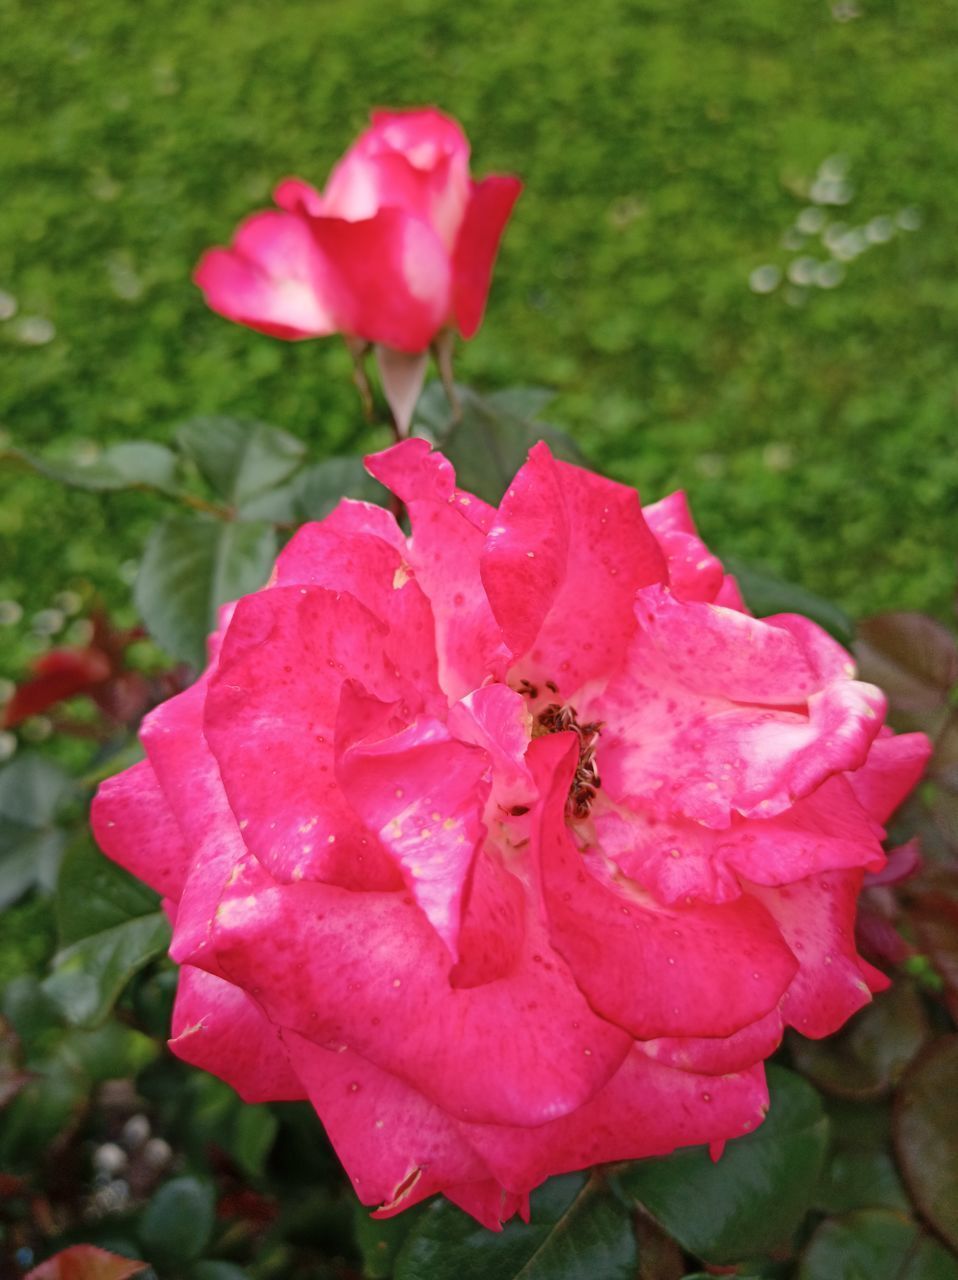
903,863
12,1076
944,763
914,659
59,674
86,1262
934,918
926,1135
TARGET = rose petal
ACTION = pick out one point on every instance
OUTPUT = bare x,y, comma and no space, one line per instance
422,794
497,719
417,161
218,1027
488,209
695,970
274,278
694,573
525,559
699,722
817,920
189,777
892,770
826,831
493,923
368,971
296,196
561,566
722,1055
133,824
271,713
444,552
397,1146
645,1110
392,277
346,555
488,1202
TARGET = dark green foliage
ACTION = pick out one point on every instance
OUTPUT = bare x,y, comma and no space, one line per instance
751,1200
577,1229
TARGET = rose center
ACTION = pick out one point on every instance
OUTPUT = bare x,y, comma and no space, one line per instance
556,718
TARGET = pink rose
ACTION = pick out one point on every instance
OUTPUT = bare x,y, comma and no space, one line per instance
513,845
399,246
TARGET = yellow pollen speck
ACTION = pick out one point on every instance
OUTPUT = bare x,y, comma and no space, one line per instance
399,793
449,824
424,834
675,853
436,817
401,577
244,823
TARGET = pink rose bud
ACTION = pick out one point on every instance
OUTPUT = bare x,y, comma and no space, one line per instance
515,844
399,246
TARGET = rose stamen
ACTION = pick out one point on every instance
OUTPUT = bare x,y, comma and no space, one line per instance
586,781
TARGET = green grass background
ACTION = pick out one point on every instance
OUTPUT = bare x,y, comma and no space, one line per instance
665,146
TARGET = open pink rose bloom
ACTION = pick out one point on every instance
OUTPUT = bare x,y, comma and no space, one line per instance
512,845
398,247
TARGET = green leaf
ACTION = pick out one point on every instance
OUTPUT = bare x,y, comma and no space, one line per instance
861,1172
875,1244
578,1228
177,1224
765,594
239,459
319,488
380,1239
220,1117
521,402
110,927
253,1137
12,1076
190,567
31,845
753,1199
926,1135
94,895
131,464
209,1270
867,1057
111,1052
486,443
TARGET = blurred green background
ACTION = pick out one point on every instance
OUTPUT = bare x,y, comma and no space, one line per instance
734,260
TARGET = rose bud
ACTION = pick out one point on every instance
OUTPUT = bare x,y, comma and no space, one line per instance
512,845
398,249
